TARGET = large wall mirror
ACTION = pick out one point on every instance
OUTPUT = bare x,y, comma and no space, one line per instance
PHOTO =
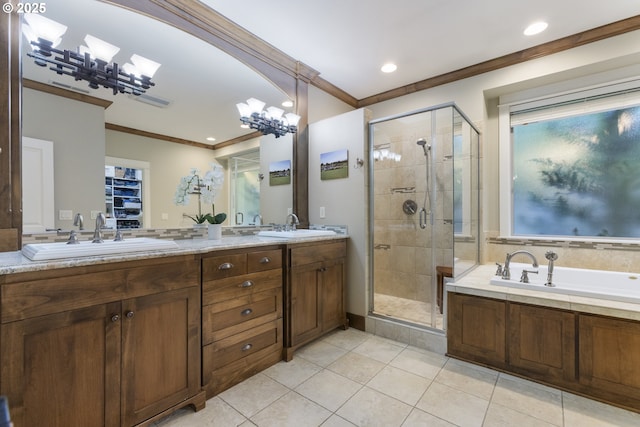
197,87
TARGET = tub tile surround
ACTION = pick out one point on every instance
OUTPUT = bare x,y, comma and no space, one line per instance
372,381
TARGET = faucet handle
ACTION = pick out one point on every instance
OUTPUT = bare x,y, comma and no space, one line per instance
118,237
499,269
73,238
524,278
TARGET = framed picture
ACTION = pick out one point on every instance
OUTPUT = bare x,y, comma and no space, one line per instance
334,165
280,172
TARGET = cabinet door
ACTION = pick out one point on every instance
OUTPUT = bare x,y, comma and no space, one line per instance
476,329
332,296
304,310
64,368
160,353
542,343
609,352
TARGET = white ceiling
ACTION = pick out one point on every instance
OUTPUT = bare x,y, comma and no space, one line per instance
345,40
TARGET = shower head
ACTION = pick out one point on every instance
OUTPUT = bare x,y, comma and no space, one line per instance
423,143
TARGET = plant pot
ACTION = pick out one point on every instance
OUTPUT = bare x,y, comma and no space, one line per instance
214,231
199,226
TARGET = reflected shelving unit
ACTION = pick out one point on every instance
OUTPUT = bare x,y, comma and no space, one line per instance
123,197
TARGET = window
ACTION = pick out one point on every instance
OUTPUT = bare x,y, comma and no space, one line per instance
575,165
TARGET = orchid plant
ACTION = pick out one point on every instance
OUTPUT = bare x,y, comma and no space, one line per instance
206,188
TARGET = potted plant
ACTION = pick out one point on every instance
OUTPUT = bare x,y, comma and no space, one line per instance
206,189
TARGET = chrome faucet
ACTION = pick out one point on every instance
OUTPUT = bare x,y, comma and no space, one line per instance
78,221
506,274
259,218
294,221
100,222
551,256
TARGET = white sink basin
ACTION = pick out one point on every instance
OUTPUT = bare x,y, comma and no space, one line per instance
45,251
296,233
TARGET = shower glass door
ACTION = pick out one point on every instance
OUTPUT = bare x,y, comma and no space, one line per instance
416,197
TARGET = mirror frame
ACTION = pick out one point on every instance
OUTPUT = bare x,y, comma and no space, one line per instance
193,17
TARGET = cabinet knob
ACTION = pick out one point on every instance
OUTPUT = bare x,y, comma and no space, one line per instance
246,312
246,284
225,266
322,269
115,317
265,260
247,347
129,314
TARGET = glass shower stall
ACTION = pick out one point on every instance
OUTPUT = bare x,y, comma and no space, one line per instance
423,211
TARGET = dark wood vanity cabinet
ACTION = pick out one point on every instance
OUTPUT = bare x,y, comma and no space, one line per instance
315,292
242,309
107,345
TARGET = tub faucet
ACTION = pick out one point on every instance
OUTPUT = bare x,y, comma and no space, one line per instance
506,274
294,221
100,222
79,221
551,256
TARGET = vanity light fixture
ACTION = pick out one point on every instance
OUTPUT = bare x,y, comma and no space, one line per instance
269,121
92,63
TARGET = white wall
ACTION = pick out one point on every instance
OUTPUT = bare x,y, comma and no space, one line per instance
77,132
344,200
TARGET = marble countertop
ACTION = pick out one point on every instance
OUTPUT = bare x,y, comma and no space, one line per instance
15,262
477,282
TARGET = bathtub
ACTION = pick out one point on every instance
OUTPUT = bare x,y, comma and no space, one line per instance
611,285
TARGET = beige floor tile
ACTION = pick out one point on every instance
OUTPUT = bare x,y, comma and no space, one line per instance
254,394
539,401
349,339
216,413
380,349
370,408
336,421
452,405
320,353
420,362
400,384
328,389
356,367
582,412
291,410
418,418
501,416
469,378
292,373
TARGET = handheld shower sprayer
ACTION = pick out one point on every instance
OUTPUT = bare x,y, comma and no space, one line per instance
425,147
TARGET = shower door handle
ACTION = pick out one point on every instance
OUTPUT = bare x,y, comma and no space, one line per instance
423,218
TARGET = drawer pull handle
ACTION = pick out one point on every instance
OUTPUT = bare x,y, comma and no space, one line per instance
246,284
246,312
225,266
247,347
265,260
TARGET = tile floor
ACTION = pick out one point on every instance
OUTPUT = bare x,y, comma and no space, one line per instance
352,378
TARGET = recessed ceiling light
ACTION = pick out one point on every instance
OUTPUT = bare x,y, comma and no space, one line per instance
287,104
243,126
210,138
389,67
535,28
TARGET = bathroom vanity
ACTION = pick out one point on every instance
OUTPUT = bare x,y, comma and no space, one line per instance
123,340
580,344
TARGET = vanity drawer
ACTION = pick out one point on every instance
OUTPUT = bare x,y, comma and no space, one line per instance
318,253
215,291
220,267
234,316
264,260
240,346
